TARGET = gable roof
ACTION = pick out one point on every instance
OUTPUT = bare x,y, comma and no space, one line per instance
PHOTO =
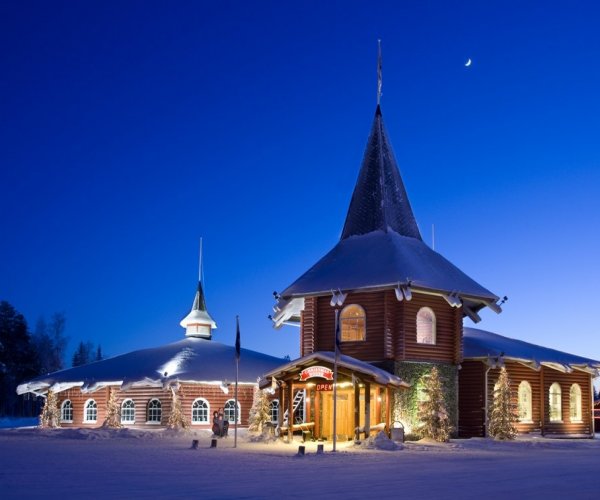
192,360
483,345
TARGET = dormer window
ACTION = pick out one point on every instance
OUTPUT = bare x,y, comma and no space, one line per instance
353,323
426,326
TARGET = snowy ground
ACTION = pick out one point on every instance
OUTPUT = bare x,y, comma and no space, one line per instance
72,463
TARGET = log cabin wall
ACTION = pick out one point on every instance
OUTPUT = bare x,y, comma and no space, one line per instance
448,332
391,328
566,380
471,399
141,396
518,373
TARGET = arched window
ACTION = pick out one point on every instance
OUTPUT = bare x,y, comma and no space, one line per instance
229,410
425,326
575,403
525,402
154,412
274,410
128,412
200,411
555,396
90,412
66,411
353,323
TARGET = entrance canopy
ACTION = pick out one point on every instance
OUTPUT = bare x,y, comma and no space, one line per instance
346,365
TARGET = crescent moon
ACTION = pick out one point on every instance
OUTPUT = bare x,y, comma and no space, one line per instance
468,63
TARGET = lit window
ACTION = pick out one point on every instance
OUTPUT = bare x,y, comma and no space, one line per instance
66,411
555,403
154,413
525,402
90,412
128,412
229,410
575,403
352,323
274,411
425,326
200,411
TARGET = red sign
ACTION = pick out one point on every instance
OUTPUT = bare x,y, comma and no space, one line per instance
324,387
316,372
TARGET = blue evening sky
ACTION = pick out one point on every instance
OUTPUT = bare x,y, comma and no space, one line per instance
130,129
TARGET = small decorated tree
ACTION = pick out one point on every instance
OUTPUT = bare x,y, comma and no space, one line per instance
435,422
113,411
50,416
503,415
260,412
176,418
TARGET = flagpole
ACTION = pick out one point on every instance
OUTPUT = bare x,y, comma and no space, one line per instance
335,359
237,376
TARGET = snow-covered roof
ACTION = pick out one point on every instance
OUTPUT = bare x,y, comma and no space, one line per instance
380,245
192,360
480,344
380,376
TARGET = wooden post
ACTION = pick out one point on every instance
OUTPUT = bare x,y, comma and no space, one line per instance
388,409
319,449
542,401
213,443
378,404
280,395
356,411
317,408
290,409
367,409
194,444
301,450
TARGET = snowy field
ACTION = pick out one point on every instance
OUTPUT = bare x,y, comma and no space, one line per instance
72,463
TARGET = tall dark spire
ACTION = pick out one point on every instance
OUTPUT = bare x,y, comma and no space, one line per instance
379,201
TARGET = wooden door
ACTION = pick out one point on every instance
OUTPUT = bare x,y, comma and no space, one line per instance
345,414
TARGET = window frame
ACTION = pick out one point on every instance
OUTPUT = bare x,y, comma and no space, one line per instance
274,408
87,404
125,401
154,422
551,405
349,319
578,418
525,390
201,422
425,309
227,410
62,411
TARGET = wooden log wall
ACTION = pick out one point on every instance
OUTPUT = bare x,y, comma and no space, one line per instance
391,328
471,396
141,396
472,393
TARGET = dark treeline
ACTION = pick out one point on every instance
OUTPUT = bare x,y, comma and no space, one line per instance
25,355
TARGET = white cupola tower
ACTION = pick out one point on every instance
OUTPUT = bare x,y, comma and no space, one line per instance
198,322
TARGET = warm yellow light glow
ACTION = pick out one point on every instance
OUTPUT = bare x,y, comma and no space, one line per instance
379,399
310,384
307,399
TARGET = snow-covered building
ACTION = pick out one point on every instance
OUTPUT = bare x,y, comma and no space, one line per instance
200,372
401,306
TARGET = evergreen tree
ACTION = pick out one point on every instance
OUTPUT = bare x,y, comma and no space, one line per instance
176,418
99,356
50,416
18,360
435,422
83,354
503,415
49,343
260,412
113,411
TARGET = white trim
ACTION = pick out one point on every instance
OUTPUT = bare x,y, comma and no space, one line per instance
197,422
85,413
127,422
239,412
154,422
433,325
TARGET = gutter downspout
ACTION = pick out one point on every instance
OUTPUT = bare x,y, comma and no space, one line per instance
485,423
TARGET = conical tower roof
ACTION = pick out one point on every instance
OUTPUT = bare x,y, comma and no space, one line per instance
198,322
379,201
381,246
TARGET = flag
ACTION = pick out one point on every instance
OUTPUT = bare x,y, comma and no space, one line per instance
237,338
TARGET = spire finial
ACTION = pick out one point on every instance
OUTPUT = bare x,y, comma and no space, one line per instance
200,270
379,75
